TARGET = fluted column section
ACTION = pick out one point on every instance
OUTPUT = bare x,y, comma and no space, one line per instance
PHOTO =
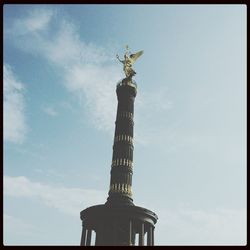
120,190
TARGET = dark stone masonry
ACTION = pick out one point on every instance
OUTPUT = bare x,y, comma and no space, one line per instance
119,222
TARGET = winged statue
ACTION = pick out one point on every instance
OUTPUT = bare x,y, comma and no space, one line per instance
129,60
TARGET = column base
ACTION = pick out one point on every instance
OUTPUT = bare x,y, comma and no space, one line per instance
117,225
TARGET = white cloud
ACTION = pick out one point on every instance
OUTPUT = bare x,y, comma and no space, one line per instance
36,20
67,200
15,126
87,69
89,72
94,87
50,111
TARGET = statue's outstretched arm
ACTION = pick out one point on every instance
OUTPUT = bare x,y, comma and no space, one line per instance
119,58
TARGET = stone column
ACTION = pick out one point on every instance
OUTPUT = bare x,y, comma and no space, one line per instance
141,235
88,242
153,229
130,233
149,236
83,238
120,190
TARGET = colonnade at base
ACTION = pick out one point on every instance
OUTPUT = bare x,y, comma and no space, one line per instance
144,238
117,226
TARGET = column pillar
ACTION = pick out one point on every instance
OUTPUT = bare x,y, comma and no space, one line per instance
123,147
149,236
141,235
83,237
99,235
96,242
130,233
133,237
88,242
153,239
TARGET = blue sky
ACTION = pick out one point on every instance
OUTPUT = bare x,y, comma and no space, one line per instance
60,74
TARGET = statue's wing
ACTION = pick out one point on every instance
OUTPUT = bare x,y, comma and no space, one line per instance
133,57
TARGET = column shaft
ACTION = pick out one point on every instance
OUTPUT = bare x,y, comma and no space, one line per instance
141,235
83,238
153,236
88,237
122,159
149,236
130,233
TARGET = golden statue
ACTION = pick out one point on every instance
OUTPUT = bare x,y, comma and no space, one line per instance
129,60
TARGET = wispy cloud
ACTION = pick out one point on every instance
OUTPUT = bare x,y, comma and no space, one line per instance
15,126
89,71
66,200
50,111
94,87
36,20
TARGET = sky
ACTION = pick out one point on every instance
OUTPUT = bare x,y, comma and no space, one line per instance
60,76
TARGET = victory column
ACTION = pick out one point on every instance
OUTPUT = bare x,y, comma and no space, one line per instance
118,221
